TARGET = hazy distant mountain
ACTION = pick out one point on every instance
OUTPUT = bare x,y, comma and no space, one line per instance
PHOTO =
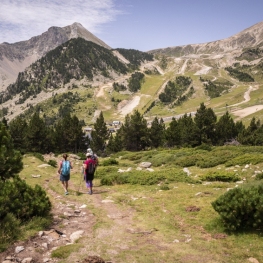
14,58
250,37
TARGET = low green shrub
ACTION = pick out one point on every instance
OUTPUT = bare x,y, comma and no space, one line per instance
178,175
23,201
38,156
52,163
259,176
102,171
223,176
132,177
210,161
245,159
205,147
164,187
133,156
38,223
161,159
241,207
82,156
9,230
215,157
64,251
187,161
115,179
109,161
147,177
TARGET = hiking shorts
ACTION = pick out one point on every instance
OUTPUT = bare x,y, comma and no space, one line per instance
64,178
89,177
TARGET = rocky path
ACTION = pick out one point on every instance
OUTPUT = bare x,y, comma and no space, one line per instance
75,221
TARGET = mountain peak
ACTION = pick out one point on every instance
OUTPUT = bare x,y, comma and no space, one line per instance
15,57
77,25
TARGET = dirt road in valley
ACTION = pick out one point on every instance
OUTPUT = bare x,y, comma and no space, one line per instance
130,106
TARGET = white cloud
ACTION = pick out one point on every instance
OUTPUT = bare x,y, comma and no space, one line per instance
23,19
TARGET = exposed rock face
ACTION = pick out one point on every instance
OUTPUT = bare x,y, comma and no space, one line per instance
249,37
14,58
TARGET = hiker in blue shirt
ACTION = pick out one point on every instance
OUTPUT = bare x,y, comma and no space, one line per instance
64,172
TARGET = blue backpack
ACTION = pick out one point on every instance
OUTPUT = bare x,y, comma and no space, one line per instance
65,169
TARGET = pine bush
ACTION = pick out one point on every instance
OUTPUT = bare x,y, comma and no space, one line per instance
9,230
23,201
241,207
52,163
222,176
247,158
110,161
259,176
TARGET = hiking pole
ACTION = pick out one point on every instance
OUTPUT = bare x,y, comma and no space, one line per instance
78,193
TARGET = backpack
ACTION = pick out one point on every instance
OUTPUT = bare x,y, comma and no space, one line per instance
90,168
95,159
65,169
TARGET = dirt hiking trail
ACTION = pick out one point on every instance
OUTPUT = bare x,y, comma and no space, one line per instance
97,226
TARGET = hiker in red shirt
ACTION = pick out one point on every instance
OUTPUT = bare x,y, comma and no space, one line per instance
89,170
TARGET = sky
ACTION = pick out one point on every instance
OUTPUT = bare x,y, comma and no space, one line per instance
132,24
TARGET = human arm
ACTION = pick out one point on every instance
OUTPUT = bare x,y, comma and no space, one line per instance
84,167
59,167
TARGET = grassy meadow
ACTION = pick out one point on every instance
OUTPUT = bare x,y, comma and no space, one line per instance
171,203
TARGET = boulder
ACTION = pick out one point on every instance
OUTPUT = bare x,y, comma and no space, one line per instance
145,164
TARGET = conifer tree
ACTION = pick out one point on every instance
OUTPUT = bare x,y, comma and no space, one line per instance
75,135
135,132
173,134
157,133
69,135
115,144
188,131
17,129
225,129
205,120
36,134
251,135
10,159
59,140
99,135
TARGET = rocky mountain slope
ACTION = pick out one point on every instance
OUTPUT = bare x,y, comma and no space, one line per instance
223,74
250,37
14,58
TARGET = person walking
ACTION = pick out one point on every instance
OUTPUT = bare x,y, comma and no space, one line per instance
64,172
89,170
93,157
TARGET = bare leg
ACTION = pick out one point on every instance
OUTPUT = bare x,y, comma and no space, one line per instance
65,186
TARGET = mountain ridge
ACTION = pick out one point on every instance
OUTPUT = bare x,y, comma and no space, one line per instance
249,37
14,58
233,66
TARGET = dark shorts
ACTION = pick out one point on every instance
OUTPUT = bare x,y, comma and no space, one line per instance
64,178
89,177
